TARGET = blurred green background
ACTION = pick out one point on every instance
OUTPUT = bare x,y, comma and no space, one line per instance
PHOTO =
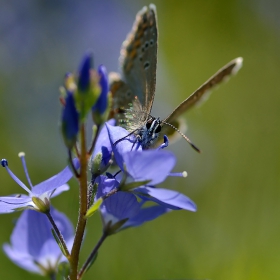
235,234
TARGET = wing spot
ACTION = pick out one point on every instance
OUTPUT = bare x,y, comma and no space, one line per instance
151,42
146,65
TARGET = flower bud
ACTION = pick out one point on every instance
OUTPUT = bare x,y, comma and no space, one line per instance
70,121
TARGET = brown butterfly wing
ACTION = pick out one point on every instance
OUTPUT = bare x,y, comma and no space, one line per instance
139,57
204,90
196,97
126,108
133,91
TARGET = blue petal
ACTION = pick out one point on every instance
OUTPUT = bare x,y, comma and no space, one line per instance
84,72
10,204
121,205
115,134
145,215
103,144
22,260
56,181
101,104
32,239
152,165
168,198
105,185
60,190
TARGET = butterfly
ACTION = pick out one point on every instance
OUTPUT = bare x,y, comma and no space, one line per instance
134,90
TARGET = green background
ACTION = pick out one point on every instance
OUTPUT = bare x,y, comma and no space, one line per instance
235,234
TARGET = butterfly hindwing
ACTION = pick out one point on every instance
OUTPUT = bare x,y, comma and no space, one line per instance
205,89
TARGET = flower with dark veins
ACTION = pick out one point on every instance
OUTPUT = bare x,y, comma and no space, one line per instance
125,196
38,197
153,165
122,209
33,247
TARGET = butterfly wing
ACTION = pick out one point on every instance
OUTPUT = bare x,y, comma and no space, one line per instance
203,91
197,97
139,58
125,105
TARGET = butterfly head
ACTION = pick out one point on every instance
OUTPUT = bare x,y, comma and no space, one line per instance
149,132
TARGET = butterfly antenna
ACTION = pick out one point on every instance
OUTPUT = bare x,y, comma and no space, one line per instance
184,136
115,143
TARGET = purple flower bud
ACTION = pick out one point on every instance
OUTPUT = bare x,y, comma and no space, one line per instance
84,73
70,121
101,104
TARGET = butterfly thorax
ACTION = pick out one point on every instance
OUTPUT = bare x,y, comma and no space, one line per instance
149,132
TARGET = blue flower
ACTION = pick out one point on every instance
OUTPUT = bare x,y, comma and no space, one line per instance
38,197
122,209
33,246
154,165
124,206
102,151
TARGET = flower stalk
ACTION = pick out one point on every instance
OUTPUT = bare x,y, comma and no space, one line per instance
74,259
58,234
92,255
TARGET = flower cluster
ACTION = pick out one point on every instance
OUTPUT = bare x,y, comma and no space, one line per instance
124,196
123,186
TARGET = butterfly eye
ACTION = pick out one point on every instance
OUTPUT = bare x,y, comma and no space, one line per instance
148,124
158,129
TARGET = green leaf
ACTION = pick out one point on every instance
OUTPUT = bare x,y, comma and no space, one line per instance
94,208
64,269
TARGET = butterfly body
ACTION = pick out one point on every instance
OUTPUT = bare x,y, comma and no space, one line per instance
149,132
134,90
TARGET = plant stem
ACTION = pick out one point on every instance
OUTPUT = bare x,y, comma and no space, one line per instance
58,233
94,140
74,259
72,165
92,255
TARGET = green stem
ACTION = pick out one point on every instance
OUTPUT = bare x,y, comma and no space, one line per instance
91,256
94,140
72,164
74,259
58,234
